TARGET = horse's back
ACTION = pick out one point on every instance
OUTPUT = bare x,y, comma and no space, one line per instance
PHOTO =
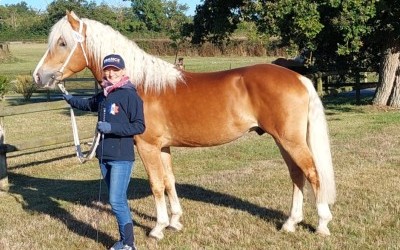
268,78
265,83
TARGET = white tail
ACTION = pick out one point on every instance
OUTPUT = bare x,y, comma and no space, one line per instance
318,141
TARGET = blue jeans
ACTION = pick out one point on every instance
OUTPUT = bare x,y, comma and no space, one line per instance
117,175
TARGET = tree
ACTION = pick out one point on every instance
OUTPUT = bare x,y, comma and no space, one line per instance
17,20
106,15
386,40
176,21
160,15
332,30
56,9
215,20
151,13
163,16
295,22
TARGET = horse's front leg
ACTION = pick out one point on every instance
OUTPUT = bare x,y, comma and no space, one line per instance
151,157
176,209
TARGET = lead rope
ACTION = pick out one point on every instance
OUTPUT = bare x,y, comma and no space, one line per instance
95,142
101,176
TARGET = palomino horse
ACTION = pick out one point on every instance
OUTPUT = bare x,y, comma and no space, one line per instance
185,109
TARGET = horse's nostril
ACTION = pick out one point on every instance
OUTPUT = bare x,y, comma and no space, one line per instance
37,78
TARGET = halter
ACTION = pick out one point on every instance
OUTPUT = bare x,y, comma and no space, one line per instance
79,39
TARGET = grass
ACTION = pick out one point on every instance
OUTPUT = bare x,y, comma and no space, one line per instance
234,196
26,56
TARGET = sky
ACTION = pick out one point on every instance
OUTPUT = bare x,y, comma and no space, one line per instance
41,4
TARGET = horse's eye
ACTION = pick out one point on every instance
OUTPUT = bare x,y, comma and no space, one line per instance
62,43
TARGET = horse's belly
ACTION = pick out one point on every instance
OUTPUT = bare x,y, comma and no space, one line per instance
206,133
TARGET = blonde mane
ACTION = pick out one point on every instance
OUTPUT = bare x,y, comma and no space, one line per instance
146,71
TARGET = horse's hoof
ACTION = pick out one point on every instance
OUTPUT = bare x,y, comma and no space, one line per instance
176,226
324,231
158,235
288,227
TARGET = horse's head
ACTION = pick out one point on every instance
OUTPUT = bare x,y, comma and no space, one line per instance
66,52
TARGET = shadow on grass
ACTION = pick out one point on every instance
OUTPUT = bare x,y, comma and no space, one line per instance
32,164
40,195
201,194
18,100
55,95
63,110
346,102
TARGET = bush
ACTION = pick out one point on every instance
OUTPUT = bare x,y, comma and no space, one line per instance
4,86
24,85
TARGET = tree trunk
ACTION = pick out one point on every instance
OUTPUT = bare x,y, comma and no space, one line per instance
394,100
387,72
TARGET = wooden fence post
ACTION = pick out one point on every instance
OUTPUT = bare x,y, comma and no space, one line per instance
96,86
358,88
320,89
3,160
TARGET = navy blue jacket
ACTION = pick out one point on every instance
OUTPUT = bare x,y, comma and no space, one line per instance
123,109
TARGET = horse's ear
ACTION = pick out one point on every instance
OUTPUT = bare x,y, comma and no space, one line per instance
73,19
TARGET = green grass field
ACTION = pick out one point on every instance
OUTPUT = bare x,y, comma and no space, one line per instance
234,196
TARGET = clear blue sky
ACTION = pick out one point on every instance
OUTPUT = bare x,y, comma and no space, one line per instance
41,4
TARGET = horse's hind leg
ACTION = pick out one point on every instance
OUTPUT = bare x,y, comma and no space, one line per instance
299,159
176,209
296,210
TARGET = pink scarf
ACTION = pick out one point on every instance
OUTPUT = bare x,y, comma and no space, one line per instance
108,87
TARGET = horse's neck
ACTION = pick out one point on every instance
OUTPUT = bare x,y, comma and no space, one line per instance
97,73
143,69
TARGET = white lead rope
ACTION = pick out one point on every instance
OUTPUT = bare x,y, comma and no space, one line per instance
81,157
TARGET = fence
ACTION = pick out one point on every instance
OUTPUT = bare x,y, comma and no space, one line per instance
325,85
38,142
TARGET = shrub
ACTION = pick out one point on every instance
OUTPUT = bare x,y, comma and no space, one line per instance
4,86
24,85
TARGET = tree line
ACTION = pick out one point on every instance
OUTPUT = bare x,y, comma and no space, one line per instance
154,17
336,35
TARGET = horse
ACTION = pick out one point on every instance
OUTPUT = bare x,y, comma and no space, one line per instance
298,64
192,109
